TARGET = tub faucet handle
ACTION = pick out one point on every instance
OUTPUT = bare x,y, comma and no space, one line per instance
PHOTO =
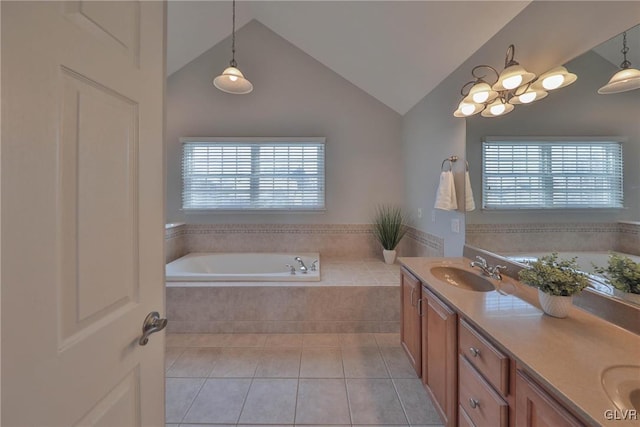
291,268
314,266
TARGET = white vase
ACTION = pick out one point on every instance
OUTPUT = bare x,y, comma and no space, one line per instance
389,256
553,305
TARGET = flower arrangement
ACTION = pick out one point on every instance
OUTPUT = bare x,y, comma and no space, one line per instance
553,276
622,273
389,226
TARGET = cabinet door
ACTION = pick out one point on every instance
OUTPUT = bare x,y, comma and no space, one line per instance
410,333
440,372
536,408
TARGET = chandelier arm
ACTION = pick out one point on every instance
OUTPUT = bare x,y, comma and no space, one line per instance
508,59
488,67
472,82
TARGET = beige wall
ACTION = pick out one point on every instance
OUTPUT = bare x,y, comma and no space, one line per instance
545,34
294,95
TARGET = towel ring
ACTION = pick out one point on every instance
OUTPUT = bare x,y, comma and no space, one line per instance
451,160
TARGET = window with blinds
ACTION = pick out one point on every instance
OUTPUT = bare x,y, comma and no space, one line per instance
552,173
253,174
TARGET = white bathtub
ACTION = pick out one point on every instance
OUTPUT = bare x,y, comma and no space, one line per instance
585,259
241,267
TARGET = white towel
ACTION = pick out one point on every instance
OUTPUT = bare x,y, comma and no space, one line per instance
469,203
446,195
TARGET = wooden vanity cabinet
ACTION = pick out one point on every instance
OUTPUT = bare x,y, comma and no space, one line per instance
410,329
536,408
439,355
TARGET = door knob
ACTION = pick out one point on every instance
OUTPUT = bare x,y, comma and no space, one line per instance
152,324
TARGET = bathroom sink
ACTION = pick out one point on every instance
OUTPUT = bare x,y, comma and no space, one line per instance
462,279
622,385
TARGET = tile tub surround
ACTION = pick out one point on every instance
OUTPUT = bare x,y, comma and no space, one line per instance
293,379
545,236
348,241
352,296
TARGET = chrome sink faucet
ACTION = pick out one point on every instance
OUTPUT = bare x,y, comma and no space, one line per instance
303,268
492,271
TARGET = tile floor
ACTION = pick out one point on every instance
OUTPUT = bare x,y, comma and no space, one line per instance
292,379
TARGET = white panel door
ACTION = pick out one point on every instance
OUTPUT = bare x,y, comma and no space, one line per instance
82,213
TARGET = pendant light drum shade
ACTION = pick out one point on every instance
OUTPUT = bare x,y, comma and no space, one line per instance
232,81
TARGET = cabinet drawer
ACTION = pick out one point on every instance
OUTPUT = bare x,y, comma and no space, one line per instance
487,359
482,404
463,418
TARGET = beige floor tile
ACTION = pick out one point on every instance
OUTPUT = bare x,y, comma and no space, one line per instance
319,362
397,362
270,401
180,393
321,340
374,401
387,340
194,362
284,340
279,363
417,405
322,401
207,425
219,401
358,340
237,362
363,362
170,356
246,340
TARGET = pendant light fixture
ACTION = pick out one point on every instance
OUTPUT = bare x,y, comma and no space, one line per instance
232,80
513,86
624,80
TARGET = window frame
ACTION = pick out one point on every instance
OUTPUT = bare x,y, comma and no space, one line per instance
620,140
255,141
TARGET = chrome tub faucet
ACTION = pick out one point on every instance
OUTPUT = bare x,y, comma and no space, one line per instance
303,268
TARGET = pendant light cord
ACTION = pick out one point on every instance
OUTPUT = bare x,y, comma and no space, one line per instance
233,37
625,49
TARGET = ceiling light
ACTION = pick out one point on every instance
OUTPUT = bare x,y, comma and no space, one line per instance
513,86
624,80
232,80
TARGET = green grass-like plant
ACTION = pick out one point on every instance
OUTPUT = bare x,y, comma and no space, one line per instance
389,226
622,273
559,277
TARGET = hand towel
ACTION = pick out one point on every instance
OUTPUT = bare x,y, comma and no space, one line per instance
469,203
446,195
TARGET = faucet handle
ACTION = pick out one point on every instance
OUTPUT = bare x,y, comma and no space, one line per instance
314,265
482,260
291,268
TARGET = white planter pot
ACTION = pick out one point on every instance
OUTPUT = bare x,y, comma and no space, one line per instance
555,306
389,256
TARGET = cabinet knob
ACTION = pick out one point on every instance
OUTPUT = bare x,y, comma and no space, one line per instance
473,403
474,351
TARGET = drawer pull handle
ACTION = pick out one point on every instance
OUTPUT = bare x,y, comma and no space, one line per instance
474,351
473,403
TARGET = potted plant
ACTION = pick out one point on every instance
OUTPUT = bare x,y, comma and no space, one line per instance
557,281
623,274
389,228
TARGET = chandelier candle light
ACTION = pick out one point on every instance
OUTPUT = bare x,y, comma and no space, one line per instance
513,86
232,80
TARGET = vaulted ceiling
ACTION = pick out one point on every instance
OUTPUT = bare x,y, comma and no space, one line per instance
397,51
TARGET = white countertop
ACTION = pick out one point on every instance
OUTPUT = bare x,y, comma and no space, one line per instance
567,355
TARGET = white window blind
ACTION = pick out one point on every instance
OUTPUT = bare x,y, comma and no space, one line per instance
253,174
552,174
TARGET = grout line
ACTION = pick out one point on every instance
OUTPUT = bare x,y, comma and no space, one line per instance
193,400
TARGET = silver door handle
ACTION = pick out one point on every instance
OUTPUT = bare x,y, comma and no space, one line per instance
152,324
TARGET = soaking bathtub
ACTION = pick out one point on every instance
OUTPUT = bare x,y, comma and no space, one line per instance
242,267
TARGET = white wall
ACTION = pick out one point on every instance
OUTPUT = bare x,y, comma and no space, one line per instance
545,34
576,110
294,95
